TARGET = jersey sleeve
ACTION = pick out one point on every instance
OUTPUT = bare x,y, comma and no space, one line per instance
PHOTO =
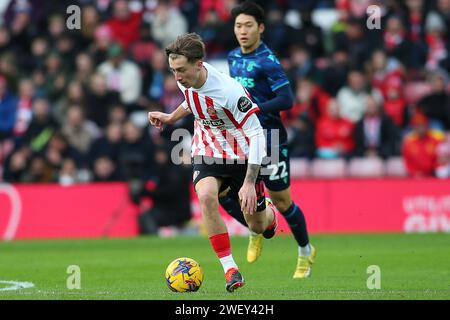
185,106
241,110
274,73
239,105
257,141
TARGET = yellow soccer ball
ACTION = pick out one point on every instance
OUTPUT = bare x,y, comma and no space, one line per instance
184,275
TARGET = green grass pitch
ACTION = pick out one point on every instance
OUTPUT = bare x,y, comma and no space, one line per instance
413,266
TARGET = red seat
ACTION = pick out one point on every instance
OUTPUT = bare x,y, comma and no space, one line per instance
369,167
395,167
300,168
329,168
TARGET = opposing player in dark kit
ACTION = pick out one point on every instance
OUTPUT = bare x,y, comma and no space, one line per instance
256,67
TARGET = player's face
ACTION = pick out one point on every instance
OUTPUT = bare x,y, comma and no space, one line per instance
247,31
186,73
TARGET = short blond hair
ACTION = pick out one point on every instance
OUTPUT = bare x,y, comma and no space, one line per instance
189,45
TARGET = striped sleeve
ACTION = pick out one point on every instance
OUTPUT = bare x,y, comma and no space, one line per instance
240,106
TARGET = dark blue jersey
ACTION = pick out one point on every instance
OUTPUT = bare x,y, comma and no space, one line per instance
261,74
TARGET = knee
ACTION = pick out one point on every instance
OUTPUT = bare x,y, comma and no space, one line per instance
208,199
282,204
256,227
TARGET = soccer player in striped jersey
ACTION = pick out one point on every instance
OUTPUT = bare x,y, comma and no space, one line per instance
227,148
259,71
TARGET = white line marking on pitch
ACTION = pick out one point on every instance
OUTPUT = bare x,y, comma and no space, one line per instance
16,285
16,210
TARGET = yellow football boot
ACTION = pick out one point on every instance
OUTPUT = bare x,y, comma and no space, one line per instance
254,247
304,265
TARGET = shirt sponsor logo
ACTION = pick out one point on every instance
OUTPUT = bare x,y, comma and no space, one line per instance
214,123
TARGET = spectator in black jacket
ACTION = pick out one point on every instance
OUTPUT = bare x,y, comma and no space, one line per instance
16,164
58,149
100,100
308,36
436,105
171,179
105,170
375,134
136,153
109,145
42,125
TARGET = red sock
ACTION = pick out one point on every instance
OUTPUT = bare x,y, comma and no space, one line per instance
274,221
221,244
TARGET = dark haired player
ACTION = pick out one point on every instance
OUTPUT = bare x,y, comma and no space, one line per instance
256,67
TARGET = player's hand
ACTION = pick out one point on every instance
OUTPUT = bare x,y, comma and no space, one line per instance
247,195
158,119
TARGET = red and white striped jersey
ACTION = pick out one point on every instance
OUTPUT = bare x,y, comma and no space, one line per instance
225,119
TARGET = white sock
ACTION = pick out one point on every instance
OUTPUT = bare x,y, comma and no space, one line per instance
228,263
304,251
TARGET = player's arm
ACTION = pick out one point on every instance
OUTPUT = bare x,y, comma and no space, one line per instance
257,145
279,83
243,111
247,193
283,100
159,119
257,150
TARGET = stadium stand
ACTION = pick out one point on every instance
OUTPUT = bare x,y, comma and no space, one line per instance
44,65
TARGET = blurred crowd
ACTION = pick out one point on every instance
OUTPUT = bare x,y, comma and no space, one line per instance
74,102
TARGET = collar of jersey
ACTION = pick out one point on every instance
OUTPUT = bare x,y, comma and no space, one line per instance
260,49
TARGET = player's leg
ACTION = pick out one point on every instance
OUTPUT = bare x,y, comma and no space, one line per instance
278,185
261,224
207,190
294,217
263,221
232,207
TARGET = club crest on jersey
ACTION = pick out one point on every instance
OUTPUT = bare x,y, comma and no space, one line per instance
211,111
244,104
